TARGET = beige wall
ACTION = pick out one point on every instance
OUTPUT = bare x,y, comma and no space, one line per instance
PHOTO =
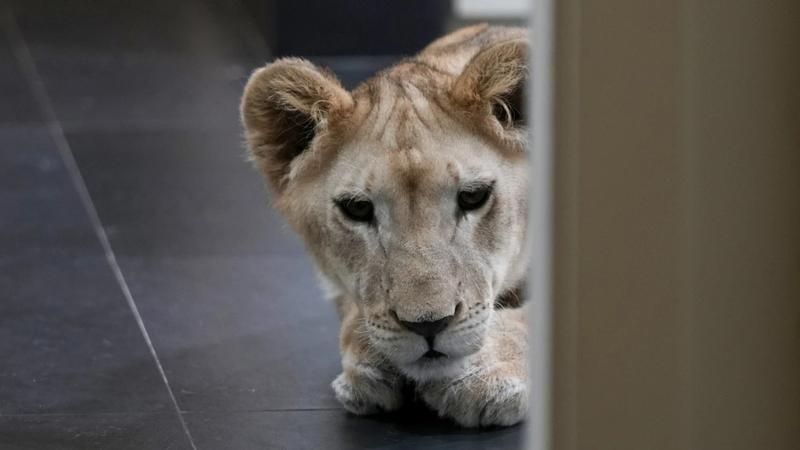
676,288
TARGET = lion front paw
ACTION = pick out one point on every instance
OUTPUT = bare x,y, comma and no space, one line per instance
480,399
367,395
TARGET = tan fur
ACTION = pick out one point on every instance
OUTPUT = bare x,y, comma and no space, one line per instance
408,140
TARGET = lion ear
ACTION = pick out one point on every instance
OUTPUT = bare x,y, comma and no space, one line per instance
285,104
494,80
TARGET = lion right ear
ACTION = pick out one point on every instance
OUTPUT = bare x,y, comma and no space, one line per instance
494,81
285,104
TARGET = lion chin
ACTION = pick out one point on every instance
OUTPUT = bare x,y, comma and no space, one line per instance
410,194
430,369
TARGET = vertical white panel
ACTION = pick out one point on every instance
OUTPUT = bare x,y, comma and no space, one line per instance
541,192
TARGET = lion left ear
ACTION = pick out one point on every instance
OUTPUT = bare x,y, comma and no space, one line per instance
495,79
284,106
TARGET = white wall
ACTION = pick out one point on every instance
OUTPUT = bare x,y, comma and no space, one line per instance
488,9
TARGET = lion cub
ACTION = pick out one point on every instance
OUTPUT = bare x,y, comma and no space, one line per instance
410,194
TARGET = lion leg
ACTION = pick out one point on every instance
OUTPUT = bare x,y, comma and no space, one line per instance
494,388
367,385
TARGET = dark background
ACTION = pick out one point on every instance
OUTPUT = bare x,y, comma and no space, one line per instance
349,27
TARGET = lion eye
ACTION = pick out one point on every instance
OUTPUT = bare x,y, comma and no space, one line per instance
501,112
356,209
469,200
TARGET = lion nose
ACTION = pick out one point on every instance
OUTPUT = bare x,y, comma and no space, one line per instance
428,329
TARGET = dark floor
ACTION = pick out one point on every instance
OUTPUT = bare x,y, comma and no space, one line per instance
166,306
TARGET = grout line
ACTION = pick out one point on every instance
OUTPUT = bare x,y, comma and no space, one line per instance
87,414
265,410
161,413
28,67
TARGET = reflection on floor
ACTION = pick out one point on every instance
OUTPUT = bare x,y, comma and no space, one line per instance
143,97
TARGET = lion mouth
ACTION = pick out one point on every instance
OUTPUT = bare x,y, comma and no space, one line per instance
433,354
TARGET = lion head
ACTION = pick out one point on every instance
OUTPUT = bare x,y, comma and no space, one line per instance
409,191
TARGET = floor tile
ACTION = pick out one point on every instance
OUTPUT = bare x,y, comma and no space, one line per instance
333,430
92,432
101,91
157,62
18,105
239,333
68,341
179,192
195,28
189,69
41,211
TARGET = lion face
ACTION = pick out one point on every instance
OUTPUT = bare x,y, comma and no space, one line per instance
409,192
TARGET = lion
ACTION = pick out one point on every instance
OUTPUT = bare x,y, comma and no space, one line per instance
409,192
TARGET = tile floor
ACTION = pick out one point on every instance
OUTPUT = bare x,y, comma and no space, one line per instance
235,348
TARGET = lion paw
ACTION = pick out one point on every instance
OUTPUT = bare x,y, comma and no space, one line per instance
365,395
479,400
